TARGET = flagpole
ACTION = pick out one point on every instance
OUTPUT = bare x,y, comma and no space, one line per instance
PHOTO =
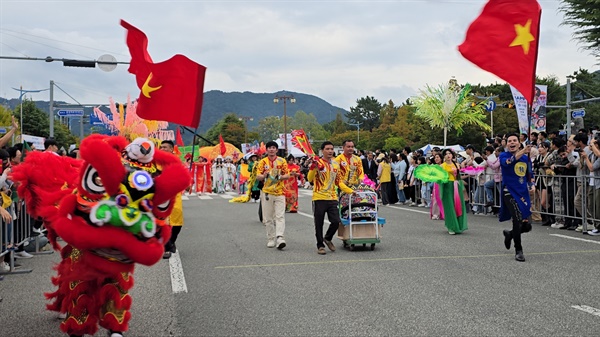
537,48
193,149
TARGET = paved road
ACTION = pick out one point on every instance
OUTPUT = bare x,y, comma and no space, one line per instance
418,281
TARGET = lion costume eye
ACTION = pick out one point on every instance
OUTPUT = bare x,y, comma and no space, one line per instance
92,182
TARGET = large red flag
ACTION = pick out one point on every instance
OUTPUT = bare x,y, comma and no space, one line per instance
223,148
171,90
301,142
504,41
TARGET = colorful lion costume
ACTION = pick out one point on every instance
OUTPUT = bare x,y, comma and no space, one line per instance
110,208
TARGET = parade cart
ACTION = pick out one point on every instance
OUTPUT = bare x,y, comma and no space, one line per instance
360,223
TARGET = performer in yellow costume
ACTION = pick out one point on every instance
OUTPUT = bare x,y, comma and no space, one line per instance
351,169
176,217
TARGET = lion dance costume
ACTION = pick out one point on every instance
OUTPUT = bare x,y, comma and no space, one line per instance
111,209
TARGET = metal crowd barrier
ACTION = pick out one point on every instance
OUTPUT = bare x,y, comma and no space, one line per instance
17,234
565,199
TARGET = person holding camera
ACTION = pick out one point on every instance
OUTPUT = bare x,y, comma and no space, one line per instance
580,141
273,171
592,161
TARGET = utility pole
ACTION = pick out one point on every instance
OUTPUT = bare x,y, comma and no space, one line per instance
568,107
51,108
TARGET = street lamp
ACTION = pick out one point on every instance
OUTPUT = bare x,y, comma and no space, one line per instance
358,129
23,92
246,119
285,99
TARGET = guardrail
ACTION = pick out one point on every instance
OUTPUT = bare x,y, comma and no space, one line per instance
557,199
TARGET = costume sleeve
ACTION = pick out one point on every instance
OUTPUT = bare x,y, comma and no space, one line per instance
359,171
284,168
260,169
341,185
311,175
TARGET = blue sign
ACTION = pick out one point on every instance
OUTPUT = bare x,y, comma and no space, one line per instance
579,113
490,105
70,112
3,130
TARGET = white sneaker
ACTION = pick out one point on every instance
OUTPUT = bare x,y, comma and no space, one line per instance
413,204
23,255
594,232
421,205
579,228
557,225
4,266
280,243
271,244
62,315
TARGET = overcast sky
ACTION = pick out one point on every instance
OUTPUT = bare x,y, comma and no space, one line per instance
336,50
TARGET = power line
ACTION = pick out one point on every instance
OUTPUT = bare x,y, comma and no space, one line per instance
49,46
47,38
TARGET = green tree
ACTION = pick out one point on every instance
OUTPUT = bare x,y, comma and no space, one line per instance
394,143
35,121
337,125
449,107
230,128
389,113
584,17
269,128
366,113
308,123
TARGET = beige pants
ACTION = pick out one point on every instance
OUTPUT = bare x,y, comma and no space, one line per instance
273,211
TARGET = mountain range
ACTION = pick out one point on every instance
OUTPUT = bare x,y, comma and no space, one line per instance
218,103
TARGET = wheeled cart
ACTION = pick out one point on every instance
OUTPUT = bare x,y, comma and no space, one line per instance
360,223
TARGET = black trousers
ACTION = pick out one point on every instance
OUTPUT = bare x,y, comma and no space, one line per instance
568,189
174,234
320,208
519,226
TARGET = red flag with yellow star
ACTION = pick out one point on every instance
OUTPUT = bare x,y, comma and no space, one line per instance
301,142
504,41
172,90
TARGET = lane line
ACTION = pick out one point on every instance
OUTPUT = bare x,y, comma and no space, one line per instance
406,209
177,277
573,238
395,259
588,309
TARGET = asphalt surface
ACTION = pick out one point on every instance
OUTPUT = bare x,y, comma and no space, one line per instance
418,281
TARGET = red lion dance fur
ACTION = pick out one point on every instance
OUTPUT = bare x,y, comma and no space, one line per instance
111,209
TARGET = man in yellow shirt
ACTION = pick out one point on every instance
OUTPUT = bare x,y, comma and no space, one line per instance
326,176
176,217
273,170
351,168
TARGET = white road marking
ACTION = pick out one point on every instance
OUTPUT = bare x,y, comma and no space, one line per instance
406,209
310,216
177,278
574,238
184,197
205,197
226,196
588,309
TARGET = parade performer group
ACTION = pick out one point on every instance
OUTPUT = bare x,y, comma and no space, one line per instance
110,208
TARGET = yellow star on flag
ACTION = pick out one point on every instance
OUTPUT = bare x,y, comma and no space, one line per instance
524,36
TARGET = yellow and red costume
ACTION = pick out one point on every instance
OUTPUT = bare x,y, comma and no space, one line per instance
110,208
